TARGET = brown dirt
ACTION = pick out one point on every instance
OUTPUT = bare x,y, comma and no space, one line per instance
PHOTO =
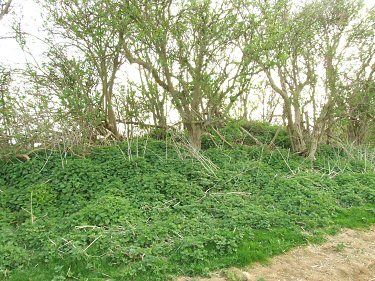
348,256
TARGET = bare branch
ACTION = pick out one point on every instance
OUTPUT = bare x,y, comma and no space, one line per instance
5,8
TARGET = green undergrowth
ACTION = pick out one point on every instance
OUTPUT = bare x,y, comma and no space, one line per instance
242,132
151,211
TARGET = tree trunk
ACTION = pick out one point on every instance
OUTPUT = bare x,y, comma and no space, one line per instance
318,129
297,139
110,116
111,124
195,131
294,129
314,141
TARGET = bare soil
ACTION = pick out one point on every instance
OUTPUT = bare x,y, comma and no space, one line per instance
348,256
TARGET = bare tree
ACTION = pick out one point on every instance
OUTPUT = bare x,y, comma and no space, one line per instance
89,28
292,46
186,47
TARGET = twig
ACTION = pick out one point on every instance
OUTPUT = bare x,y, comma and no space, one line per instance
32,217
91,243
232,193
45,163
272,143
222,137
87,226
31,208
235,176
250,135
53,242
285,161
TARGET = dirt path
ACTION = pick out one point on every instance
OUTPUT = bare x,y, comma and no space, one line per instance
349,255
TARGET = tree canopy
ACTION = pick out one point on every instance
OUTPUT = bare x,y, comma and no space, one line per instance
115,65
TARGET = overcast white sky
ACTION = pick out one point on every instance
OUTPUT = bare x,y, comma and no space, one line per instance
28,13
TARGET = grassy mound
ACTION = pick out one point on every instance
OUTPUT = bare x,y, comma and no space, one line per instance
248,133
159,212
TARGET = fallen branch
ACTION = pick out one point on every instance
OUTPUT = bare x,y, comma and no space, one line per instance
250,135
272,143
222,137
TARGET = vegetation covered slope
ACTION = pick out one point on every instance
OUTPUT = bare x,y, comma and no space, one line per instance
162,212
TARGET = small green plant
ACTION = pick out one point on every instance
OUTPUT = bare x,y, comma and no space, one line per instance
340,247
233,277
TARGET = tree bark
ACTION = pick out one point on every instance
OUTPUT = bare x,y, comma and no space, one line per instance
110,116
318,129
195,131
294,129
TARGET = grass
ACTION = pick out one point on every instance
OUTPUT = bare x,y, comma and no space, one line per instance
356,217
260,248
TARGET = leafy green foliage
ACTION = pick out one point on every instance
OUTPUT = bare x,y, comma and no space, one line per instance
233,133
158,215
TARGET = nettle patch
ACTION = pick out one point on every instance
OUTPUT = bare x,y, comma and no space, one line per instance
108,215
